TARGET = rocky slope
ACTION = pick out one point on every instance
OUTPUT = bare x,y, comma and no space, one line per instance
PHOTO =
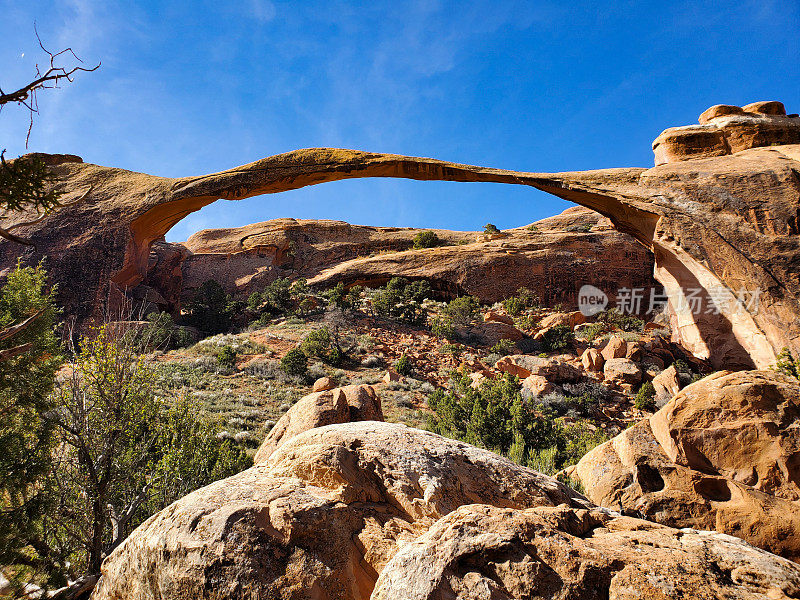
554,257
720,213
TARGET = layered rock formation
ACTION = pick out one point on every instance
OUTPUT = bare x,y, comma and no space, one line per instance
319,519
555,259
723,454
717,225
726,129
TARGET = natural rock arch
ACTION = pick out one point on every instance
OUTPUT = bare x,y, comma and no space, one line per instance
717,223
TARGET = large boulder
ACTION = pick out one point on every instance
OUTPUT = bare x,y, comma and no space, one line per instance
484,552
622,371
721,455
553,369
339,405
318,519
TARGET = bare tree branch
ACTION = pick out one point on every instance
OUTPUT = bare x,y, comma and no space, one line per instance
47,79
15,351
15,329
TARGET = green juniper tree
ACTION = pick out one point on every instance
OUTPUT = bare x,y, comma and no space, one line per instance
26,435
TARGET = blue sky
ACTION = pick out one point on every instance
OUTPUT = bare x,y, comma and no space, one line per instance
194,87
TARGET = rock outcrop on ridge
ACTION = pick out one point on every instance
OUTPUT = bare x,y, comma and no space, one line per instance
347,404
723,454
719,226
554,257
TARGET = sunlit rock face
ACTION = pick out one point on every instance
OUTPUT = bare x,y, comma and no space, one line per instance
722,222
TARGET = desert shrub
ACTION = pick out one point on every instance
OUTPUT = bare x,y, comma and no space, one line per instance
443,328
403,401
645,397
295,362
340,297
452,349
122,453
401,300
161,333
462,310
490,229
371,361
226,357
426,239
274,300
495,416
787,364
579,438
597,392
558,338
317,343
532,228
404,365
492,416
580,228
264,368
504,348
593,331
523,300
210,308
566,405
615,318
337,295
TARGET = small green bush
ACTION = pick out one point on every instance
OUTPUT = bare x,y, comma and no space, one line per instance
495,416
593,331
504,348
210,309
558,338
443,328
787,364
404,365
463,310
226,357
295,362
426,239
615,318
317,343
521,301
490,229
401,300
645,397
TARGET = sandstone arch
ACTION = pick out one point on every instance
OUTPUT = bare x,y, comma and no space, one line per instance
719,223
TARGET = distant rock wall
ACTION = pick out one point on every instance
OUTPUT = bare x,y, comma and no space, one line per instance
555,259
